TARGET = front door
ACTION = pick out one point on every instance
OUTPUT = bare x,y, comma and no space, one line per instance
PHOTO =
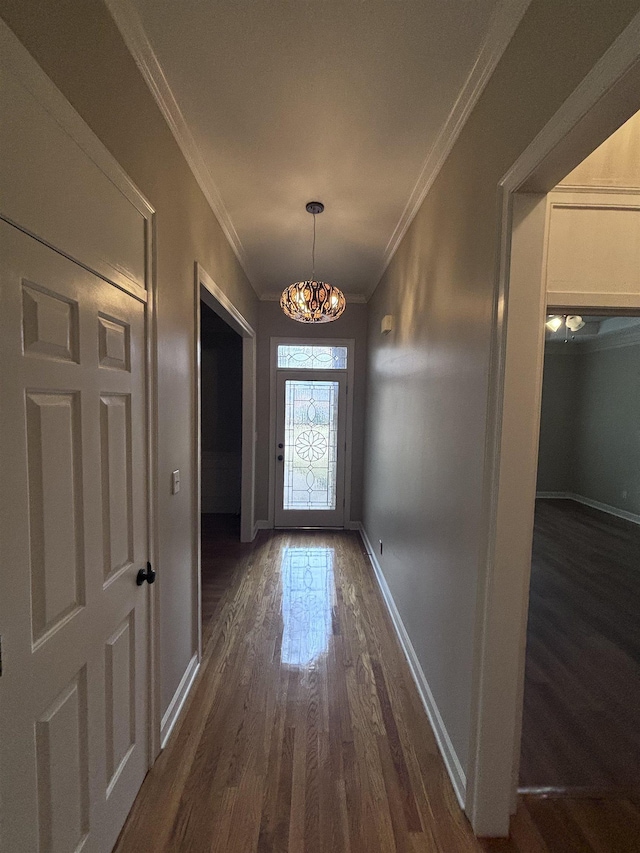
74,623
311,446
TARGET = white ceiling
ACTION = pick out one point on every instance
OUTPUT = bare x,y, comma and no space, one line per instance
351,102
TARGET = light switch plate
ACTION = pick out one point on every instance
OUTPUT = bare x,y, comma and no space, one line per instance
175,482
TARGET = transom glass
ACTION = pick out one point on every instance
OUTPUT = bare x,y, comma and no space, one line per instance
311,357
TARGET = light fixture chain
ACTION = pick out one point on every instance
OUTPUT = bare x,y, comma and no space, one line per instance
313,251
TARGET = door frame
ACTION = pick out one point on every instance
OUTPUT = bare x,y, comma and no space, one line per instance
607,96
215,298
273,370
16,59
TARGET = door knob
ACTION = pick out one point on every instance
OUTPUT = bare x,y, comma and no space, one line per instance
281,446
280,457
147,575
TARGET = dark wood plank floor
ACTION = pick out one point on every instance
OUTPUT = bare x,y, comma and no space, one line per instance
581,724
222,555
304,731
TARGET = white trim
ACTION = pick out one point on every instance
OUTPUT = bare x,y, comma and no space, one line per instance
130,26
596,189
16,59
231,314
179,698
608,508
504,22
350,343
449,755
570,301
500,641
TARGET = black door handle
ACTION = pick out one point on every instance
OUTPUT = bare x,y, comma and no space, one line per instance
280,458
147,575
281,446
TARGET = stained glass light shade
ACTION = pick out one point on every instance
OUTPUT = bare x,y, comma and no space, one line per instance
312,302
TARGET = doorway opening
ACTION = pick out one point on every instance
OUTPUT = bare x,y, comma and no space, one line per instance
582,673
220,456
546,207
224,426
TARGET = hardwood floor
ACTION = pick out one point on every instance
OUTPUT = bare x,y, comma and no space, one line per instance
304,731
581,724
222,554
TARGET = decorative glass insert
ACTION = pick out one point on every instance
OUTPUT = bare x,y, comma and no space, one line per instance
310,444
307,603
312,357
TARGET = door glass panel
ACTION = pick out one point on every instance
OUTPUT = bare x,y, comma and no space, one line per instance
311,444
312,357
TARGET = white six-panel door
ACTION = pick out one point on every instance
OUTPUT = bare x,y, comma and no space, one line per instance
74,624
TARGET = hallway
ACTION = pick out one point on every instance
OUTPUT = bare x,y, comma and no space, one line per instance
305,732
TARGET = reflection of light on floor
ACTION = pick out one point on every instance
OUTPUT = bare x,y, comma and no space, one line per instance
307,599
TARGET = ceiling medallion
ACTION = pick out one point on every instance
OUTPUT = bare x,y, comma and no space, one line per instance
313,301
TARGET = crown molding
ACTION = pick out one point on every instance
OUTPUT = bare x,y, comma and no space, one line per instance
595,189
135,38
354,298
612,340
504,22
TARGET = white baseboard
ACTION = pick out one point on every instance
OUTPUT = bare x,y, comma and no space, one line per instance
449,756
265,524
179,698
611,510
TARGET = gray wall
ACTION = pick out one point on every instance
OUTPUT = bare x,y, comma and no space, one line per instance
273,323
428,381
598,434
557,422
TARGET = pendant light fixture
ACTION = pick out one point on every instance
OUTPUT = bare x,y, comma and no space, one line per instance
313,301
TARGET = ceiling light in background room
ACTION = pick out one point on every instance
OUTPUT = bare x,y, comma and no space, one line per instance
574,322
312,301
553,323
